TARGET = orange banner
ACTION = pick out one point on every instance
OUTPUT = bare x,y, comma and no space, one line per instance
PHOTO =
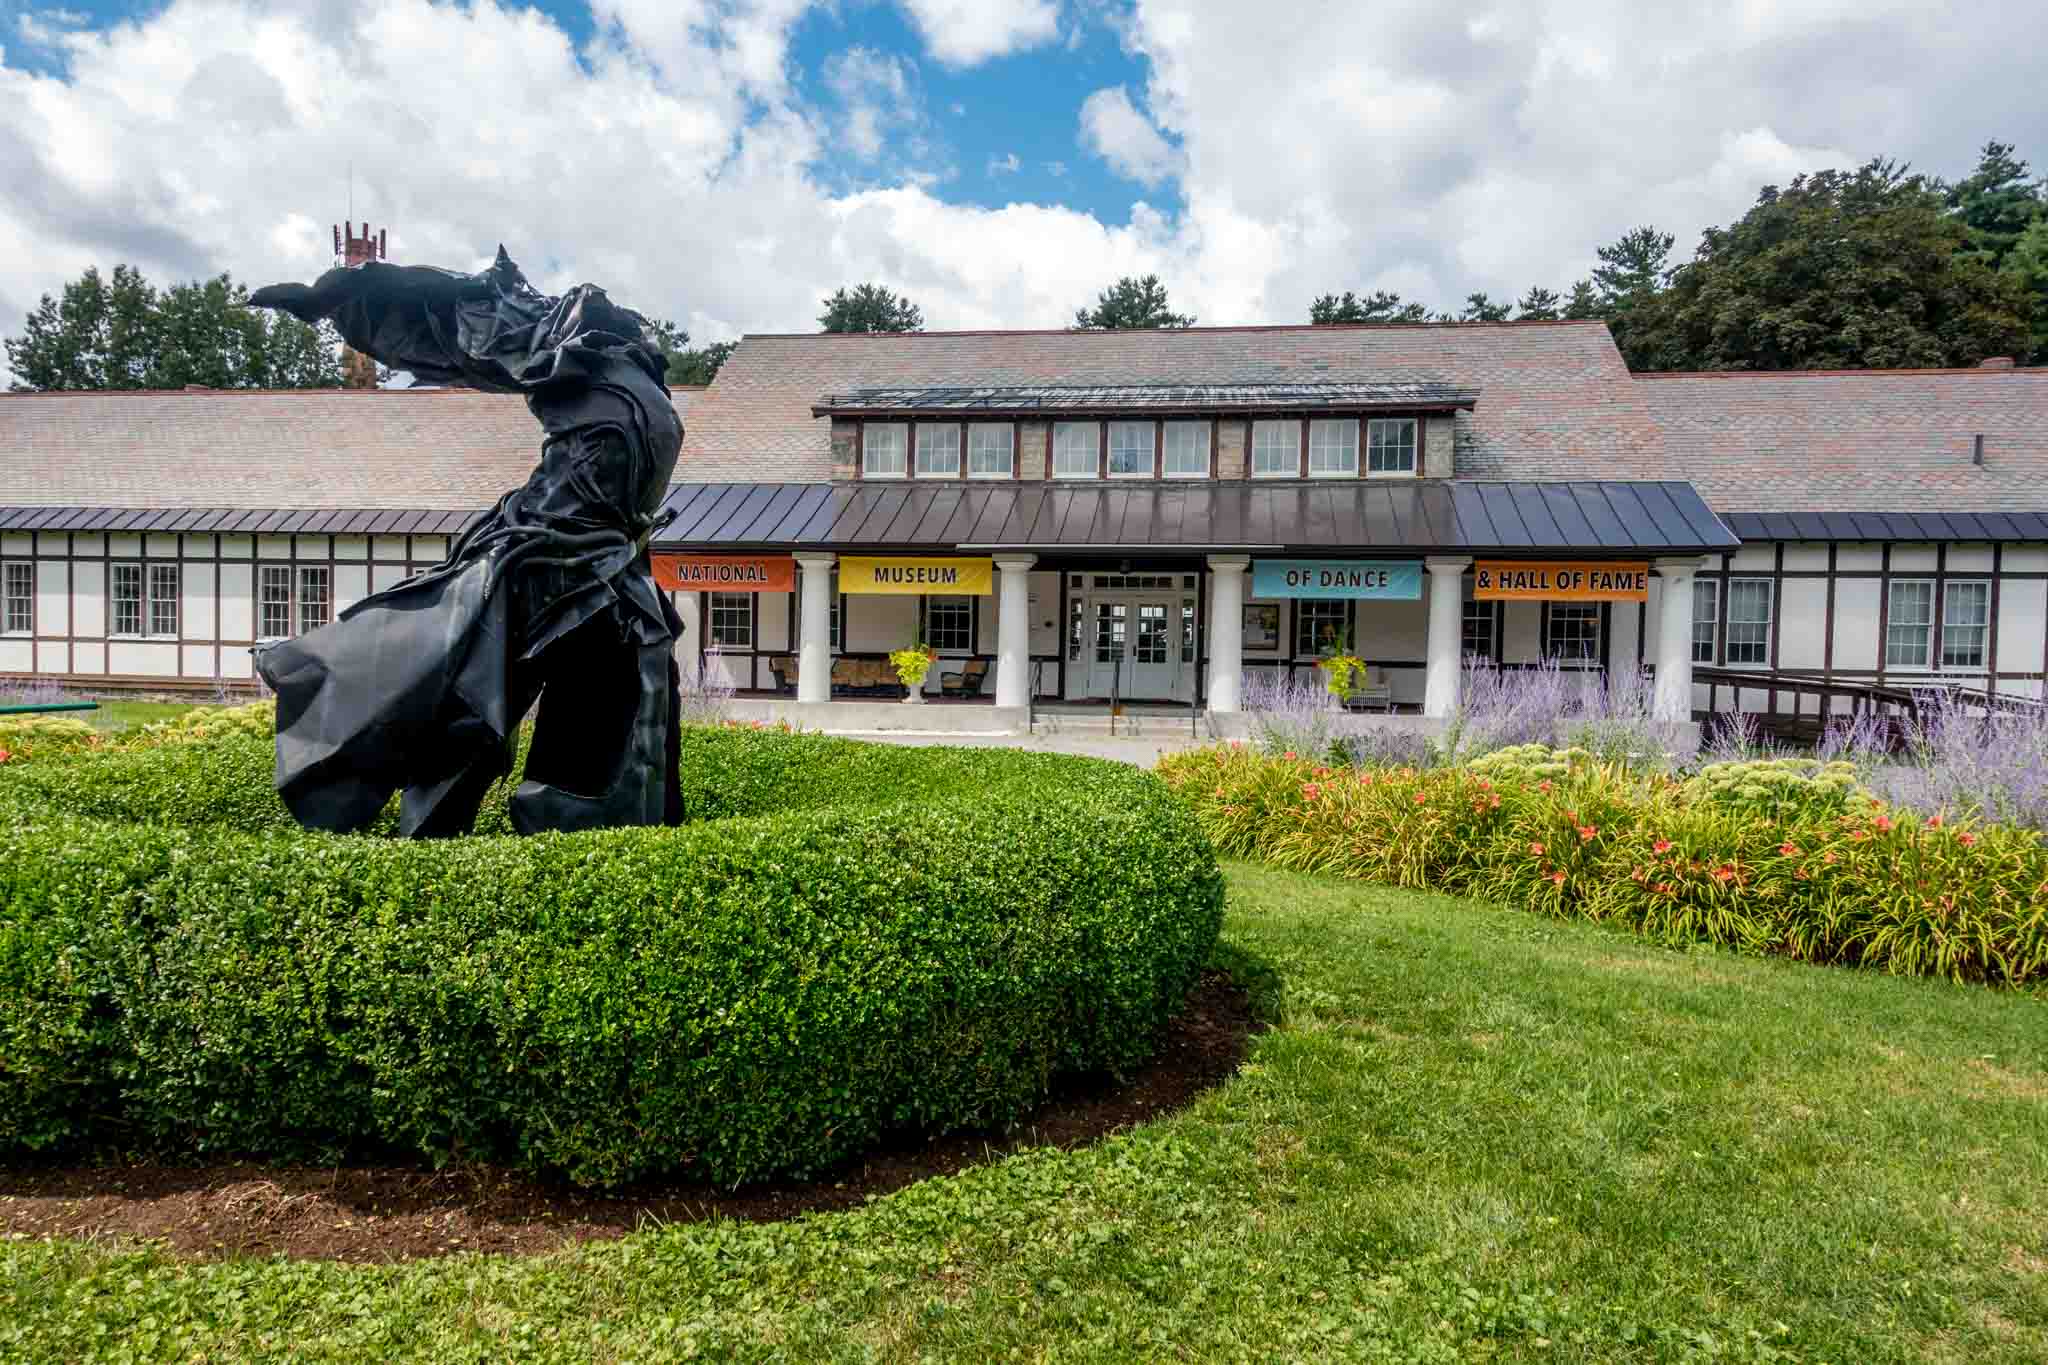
725,573
1537,580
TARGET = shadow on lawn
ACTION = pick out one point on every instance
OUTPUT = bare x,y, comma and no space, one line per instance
372,1213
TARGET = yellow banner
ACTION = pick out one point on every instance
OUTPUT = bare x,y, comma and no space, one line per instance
1537,580
859,573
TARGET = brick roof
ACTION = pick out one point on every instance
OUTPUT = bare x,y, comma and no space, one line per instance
422,449
1857,440
1555,399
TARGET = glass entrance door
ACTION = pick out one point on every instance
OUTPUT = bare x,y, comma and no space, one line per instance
1136,646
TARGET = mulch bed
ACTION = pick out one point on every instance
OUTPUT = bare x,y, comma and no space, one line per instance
398,1213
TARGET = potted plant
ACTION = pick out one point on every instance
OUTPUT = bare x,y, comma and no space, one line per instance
911,666
1341,669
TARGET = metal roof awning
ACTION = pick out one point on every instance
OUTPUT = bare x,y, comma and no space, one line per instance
1951,526
1421,516
1040,399
239,520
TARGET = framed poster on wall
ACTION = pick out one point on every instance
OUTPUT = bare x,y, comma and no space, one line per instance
1262,625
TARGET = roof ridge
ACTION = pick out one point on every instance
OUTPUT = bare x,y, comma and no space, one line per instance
1311,327
261,393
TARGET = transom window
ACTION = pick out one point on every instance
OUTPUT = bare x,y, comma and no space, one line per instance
949,624
1573,633
1186,450
938,450
1333,447
145,604
1706,618
1909,623
884,450
1478,630
991,450
732,620
1130,450
1749,621
1276,449
1076,449
18,597
1965,622
293,599
1390,445
1320,626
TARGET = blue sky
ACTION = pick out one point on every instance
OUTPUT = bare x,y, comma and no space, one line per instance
728,163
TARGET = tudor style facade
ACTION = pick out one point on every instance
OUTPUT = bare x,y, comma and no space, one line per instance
1144,515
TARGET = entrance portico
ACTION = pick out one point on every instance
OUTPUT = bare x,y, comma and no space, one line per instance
1031,595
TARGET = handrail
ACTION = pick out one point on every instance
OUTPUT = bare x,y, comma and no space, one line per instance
38,708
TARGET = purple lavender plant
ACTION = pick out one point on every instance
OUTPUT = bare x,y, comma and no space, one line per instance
1289,716
1961,761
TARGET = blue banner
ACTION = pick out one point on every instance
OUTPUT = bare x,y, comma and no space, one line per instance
1397,580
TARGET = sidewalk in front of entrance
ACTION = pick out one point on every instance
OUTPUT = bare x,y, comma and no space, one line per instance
1140,737
1147,746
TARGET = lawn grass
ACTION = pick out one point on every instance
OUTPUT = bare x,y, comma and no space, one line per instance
1477,1135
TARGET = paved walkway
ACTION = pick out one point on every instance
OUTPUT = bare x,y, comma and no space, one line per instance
1142,749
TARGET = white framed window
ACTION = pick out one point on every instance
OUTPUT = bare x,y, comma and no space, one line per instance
949,624
1186,454
1276,449
1572,634
1320,625
316,597
1333,447
1965,623
938,450
1076,450
884,450
1390,445
163,600
1131,447
126,595
1749,620
1706,618
991,450
292,599
17,597
732,620
1909,623
1477,632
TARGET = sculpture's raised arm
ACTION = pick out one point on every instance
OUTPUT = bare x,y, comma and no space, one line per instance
480,330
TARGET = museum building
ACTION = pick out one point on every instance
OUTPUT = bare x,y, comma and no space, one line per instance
1145,517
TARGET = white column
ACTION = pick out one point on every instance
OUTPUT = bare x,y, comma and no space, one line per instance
814,628
1673,697
1226,630
1013,631
1446,635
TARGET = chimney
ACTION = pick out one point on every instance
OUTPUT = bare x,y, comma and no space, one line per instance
1997,362
358,371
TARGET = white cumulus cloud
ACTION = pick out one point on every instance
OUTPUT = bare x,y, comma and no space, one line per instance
1114,129
962,33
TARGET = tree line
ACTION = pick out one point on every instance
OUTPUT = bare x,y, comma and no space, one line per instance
1879,267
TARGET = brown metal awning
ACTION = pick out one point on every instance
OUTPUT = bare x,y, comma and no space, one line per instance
1421,516
238,520
1950,526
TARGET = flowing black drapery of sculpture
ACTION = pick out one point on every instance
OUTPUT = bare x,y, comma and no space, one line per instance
420,688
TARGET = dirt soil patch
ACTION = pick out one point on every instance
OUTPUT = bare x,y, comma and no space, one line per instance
398,1213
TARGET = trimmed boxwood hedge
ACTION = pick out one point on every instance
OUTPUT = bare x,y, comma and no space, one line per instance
851,939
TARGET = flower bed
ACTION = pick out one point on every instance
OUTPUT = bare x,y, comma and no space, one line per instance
850,940
1772,857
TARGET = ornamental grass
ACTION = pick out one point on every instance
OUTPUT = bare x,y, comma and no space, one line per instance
1787,859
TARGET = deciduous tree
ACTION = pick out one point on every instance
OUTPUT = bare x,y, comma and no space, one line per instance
1841,269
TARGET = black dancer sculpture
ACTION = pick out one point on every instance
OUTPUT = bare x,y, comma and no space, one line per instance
420,687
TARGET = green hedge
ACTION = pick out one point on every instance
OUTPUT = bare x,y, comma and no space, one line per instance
853,939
